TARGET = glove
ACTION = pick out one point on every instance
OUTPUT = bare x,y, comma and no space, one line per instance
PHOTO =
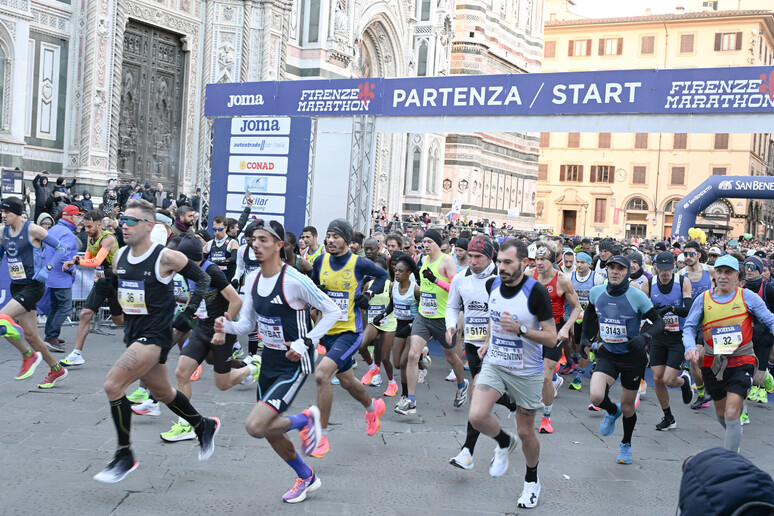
42,274
636,344
429,276
584,343
379,319
104,287
362,300
666,310
235,283
658,306
301,346
183,322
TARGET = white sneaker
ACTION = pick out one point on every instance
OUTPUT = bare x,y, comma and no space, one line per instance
499,464
451,377
147,408
463,460
422,374
643,388
529,495
376,380
557,385
73,359
248,381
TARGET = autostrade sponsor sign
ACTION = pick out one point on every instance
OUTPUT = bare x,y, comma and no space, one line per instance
700,90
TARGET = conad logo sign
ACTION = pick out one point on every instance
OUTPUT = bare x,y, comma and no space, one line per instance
264,165
256,165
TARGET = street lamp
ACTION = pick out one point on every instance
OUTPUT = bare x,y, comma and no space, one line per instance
585,215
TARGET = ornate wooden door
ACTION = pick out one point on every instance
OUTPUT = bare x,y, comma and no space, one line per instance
150,120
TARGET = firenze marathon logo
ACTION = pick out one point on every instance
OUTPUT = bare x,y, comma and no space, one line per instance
337,99
725,93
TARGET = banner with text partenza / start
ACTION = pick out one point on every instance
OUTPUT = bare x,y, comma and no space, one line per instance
672,91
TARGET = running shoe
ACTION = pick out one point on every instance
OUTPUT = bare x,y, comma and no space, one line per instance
686,387
643,387
624,453
701,402
335,381
763,396
376,381
607,426
463,460
768,382
354,364
529,495
366,379
577,383
593,408
406,407
302,487
372,418
451,377
54,346
321,349
400,400
8,328
744,419
207,437
392,389
73,359
545,425
637,400
567,369
752,394
196,374
247,381
255,366
322,447
147,408
29,364
52,378
499,464
138,396
667,423
462,394
422,375
311,432
180,431
122,464
466,366
236,351
557,385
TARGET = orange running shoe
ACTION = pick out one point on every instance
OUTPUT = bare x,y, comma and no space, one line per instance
372,418
366,379
28,366
311,433
392,389
322,448
545,425
195,375
10,328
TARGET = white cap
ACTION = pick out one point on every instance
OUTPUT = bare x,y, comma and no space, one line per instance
715,250
751,252
681,257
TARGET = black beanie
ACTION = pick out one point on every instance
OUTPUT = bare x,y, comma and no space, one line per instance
191,247
343,228
433,235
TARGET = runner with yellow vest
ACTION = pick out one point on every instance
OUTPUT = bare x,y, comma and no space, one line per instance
726,319
341,273
436,275
100,250
312,249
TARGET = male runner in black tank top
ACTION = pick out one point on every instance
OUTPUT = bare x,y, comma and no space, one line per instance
144,272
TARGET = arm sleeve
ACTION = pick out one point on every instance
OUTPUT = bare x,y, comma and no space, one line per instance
692,322
758,308
96,261
365,267
443,284
539,303
59,248
656,324
682,311
245,323
195,273
232,256
240,264
242,222
307,292
590,322
454,304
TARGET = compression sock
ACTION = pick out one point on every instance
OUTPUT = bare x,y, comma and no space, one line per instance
609,406
121,411
56,367
182,407
733,437
700,389
531,475
628,428
404,389
298,421
300,467
503,439
471,438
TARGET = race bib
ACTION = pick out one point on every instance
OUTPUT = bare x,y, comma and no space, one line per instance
507,353
177,286
16,269
727,339
270,329
251,269
374,310
671,322
218,256
201,312
428,303
402,312
476,329
99,272
342,301
131,297
613,331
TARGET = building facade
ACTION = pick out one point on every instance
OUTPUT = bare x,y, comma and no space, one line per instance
626,185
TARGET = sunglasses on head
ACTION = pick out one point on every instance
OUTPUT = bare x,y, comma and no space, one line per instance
132,221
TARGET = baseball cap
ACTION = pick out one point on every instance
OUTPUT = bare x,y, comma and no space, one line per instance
72,209
660,246
620,260
715,250
665,261
727,261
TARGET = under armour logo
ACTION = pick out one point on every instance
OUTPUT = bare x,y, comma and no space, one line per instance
147,273
277,300
274,403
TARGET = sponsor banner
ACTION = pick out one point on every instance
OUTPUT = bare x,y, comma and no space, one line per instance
263,216
260,126
257,184
698,90
258,164
261,204
259,145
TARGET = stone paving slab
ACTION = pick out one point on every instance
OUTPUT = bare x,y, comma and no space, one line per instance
54,441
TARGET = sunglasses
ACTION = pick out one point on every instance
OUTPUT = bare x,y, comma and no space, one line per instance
218,229
132,221
750,266
689,254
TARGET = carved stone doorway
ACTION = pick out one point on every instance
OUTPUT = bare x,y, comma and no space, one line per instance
151,113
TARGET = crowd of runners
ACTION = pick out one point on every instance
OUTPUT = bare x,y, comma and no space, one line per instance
525,318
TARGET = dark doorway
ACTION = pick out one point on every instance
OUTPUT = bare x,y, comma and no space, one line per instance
568,221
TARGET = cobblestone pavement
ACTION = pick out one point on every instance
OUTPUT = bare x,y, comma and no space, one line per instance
54,441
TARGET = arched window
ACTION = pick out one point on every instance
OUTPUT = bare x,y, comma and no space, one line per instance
669,207
637,204
425,13
415,167
422,60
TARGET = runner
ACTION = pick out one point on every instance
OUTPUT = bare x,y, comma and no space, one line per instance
380,331
520,325
436,274
615,311
405,300
671,296
312,249
599,265
222,250
21,243
728,363
561,292
701,277
144,272
341,274
101,249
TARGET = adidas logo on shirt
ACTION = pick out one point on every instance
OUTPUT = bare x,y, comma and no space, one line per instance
277,300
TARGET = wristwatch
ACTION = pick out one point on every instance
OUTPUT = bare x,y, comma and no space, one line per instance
49,266
522,330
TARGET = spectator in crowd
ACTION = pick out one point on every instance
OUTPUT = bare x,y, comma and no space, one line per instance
45,221
110,196
159,195
63,187
196,199
149,194
184,221
42,192
169,200
86,202
125,193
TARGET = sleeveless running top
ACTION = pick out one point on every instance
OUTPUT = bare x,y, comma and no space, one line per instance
377,305
433,299
405,306
725,327
22,256
674,297
557,301
342,287
704,283
100,271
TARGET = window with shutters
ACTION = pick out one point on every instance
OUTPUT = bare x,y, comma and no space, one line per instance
718,171
549,50
604,141
641,141
648,45
579,47
680,141
602,174
725,41
721,141
542,172
600,209
610,46
686,43
573,140
638,175
677,177
545,140
571,173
